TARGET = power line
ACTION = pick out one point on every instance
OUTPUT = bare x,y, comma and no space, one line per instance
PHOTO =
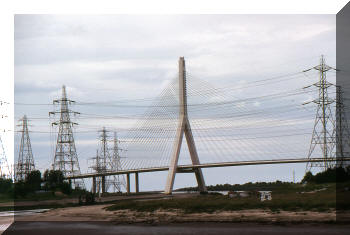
115,103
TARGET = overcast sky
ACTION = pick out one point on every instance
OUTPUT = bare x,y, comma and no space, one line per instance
104,58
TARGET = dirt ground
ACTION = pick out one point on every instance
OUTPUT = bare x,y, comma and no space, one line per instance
98,213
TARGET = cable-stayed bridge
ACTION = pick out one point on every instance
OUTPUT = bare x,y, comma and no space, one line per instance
222,129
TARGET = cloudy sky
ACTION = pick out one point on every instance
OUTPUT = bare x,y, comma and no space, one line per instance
116,65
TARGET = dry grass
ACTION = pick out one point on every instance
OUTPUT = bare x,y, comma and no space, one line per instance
287,201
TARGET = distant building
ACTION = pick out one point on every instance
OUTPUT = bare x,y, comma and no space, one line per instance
265,195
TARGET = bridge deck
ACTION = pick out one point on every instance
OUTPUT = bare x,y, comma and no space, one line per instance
187,168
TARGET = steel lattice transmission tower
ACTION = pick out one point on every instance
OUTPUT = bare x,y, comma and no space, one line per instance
100,163
342,130
25,162
97,167
104,162
323,135
5,170
119,180
66,158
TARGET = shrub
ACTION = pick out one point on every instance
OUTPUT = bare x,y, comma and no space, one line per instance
33,181
5,185
66,188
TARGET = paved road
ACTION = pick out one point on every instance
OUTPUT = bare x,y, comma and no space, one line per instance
5,223
6,219
53,228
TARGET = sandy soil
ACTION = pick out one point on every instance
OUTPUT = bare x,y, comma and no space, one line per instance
98,213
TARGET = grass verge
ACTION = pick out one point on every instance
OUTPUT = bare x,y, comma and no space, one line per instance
291,201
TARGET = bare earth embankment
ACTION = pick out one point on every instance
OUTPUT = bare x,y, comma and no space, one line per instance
300,205
99,213
187,214
182,208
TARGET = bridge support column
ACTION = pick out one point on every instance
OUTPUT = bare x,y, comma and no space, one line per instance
136,182
128,183
103,184
94,185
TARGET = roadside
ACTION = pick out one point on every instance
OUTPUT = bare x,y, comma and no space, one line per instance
6,219
160,209
69,202
87,228
286,207
99,213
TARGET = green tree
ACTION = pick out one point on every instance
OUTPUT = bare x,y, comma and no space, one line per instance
33,180
5,185
53,179
20,189
308,177
66,188
331,175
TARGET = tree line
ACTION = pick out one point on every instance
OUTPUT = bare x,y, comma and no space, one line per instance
52,180
331,175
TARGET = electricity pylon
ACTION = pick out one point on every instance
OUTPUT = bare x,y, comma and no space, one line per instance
25,162
324,128
119,180
184,128
105,161
66,158
5,170
100,162
342,130
98,168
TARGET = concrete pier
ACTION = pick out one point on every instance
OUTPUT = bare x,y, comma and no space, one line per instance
128,183
136,182
94,185
103,184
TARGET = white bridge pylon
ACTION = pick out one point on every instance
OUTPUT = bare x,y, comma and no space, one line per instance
184,127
